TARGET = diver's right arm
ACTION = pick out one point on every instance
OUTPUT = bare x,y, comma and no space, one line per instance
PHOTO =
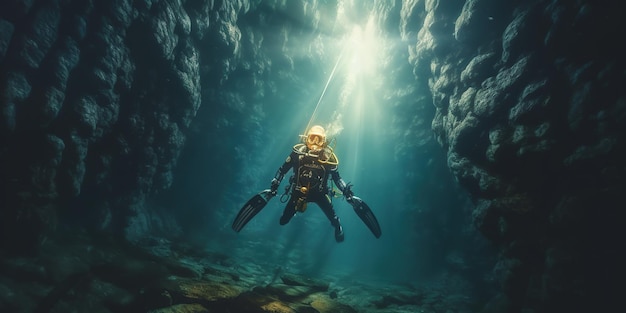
281,172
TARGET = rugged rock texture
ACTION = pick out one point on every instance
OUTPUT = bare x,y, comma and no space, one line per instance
90,91
99,98
76,272
530,111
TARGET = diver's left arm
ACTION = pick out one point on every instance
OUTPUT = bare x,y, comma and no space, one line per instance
360,207
346,189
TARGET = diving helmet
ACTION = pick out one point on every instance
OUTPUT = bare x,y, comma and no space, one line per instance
315,138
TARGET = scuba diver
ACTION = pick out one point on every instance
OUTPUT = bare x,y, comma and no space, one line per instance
314,164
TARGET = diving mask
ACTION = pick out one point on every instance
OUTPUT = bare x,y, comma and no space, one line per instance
316,138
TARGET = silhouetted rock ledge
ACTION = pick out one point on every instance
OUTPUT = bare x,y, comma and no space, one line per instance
87,274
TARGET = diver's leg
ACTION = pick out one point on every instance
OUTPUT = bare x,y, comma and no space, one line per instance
290,210
327,207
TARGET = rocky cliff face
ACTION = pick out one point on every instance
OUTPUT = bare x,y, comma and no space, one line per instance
89,90
526,96
529,109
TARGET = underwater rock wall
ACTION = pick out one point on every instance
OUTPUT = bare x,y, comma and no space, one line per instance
530,108
97,98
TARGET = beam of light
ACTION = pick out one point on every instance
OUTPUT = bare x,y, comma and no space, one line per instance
330,78
363,50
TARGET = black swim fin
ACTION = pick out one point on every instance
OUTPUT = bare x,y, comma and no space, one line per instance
251,208
367,216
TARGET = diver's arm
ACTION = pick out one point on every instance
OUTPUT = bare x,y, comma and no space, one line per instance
280,173
346,189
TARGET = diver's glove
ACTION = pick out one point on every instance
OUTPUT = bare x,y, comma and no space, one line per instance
274,187
347,192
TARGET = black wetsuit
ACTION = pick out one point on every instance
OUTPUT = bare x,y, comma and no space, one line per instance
312,171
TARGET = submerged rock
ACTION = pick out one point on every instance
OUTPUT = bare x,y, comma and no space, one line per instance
299,280
252,301
182,308
324,304
190,290
105,275
287,292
